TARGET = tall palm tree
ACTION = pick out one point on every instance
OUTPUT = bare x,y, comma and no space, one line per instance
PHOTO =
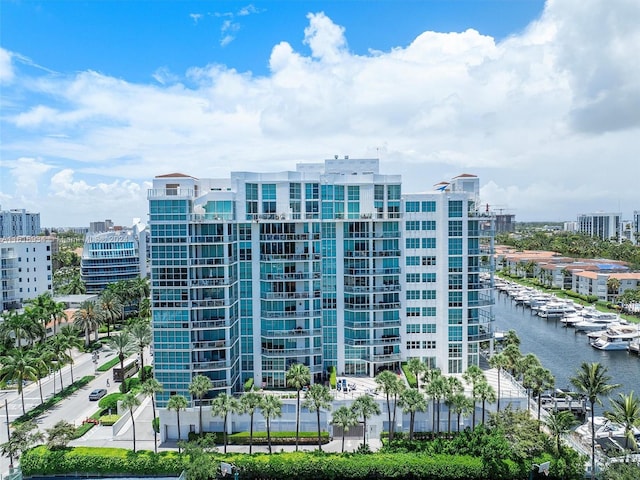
70,335
485,393
437,390
87,319
473,375
130,402
344,418
364,406
391,386
17,366
58,347
625,410
416,366
141,336
248,403
318,397
222,406
513,355
111,306
412,400
499,361
271,407
150,387
298,376
454,387
123,346
198,388
538,379
461,406
592,380
559,422
20,328
41,360
177,403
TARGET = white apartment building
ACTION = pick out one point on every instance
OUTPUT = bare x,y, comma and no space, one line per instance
18,222
25,269
602,225
329,265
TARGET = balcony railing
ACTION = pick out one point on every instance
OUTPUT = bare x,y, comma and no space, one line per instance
213,261
293,314
372,289
290,276
211,365
277,352
209,324
213,282
209,239
289,257
289,237
211,303
289,295
372,271
208,344
295,332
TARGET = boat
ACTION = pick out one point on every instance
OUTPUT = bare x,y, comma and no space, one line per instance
606,432
634,346
593,319
616,337
556,309
571,319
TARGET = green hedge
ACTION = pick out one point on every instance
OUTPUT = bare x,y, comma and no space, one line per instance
102,461
299,465
111,363
411,378
333,376
110,401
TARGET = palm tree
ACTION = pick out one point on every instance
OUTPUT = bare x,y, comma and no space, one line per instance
365,407
17,367
177,403
437,390
198,388
389,383
559,422
21,327
318,397
416,366
454,387
130,402
298,376
122,344
538,379
513,355
412,401
58,347
111,307
88,318
41,361
473,375
222,406
499,361
625,410
70,335
271,407
248,403
150,387
592,380
344,418
461,406
484,392
142,337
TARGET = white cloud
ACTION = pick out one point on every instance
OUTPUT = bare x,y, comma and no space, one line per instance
6,68
196,17
547,118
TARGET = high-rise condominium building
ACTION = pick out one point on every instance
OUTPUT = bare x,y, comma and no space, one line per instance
329,266
110,257
601,225
19,222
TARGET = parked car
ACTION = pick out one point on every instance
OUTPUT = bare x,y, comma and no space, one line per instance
97,394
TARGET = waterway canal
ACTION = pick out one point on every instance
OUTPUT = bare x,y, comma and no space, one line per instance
561,350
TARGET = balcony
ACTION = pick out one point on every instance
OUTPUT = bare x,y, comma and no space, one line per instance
290,276
373,289
386,253
203,366
213,282
284,352
208,345
211,324
289,295
383,357
208,239
296,332
289,237
211,303
289,257
292,314
372,271
169,193
213,261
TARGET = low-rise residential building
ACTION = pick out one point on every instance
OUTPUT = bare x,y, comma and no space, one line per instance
18,222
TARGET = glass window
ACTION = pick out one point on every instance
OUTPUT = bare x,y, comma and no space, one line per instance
412,207
455,208
429,206
268,191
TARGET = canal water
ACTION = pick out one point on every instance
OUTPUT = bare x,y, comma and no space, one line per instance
561,350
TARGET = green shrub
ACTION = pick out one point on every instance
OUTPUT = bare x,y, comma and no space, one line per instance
109,420
248,384
332,376
411,378
110,401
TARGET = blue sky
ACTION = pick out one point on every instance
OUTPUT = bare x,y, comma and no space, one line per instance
100,96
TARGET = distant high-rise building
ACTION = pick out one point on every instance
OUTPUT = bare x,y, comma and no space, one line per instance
19,222
601,225
329,266
25,269
505,223
109,257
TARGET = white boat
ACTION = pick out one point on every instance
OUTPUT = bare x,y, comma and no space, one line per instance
616,337
634,346
556,309
571,319
593,319
604,429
